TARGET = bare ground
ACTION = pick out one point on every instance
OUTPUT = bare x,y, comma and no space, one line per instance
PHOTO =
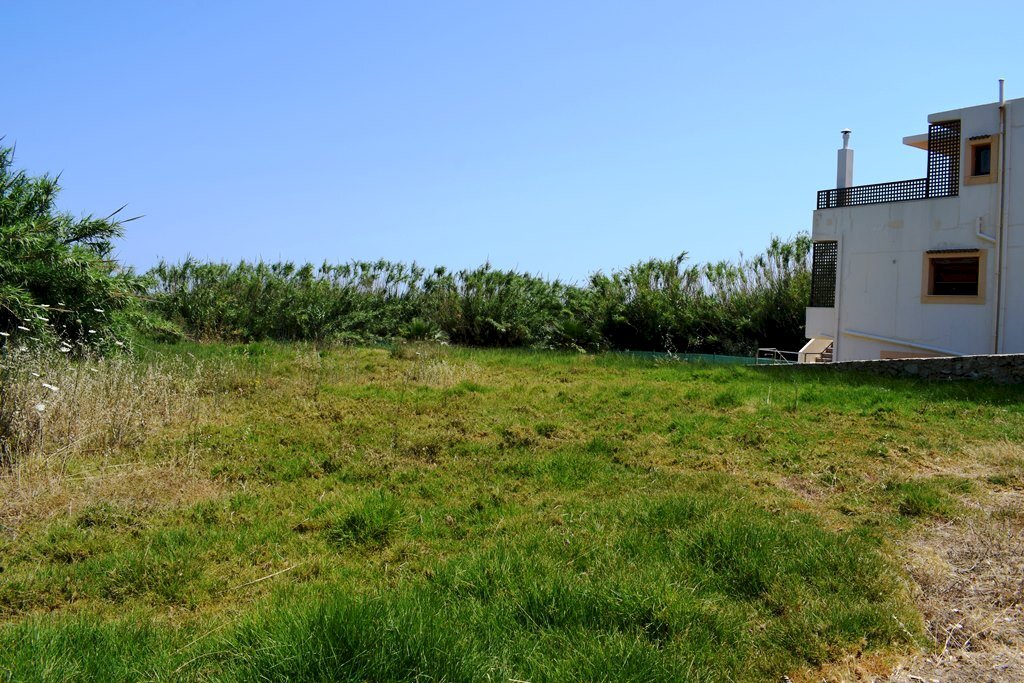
970,577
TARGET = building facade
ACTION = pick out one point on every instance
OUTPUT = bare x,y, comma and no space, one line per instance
932,266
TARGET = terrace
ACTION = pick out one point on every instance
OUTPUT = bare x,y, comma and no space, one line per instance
943,179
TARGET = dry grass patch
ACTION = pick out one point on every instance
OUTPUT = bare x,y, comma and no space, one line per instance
968,580
136,486
53,408
971,580
68,429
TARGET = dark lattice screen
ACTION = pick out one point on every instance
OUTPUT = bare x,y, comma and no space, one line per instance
879,193
944,159
823,274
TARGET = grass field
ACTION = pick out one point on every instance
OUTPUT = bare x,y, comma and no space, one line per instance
439,513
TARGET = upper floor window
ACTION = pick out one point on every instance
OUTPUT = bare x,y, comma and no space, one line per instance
981,164
982,160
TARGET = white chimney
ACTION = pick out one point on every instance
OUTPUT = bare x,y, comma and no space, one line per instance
844,169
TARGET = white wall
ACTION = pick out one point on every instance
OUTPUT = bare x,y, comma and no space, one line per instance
820,322
1013,283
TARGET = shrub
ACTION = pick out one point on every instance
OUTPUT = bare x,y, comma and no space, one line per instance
58,280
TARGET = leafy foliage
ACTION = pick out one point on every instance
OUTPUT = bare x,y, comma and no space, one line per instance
58,277
653,305
284,301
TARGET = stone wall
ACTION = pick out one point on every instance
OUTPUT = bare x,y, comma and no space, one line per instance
1004,368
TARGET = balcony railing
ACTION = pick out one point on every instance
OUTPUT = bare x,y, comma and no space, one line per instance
897,191
943,175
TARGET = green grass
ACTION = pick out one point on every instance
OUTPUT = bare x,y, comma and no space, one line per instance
460,515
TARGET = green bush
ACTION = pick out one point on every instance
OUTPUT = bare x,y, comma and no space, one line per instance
58,280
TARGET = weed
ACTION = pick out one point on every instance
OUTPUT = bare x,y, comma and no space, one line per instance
546,429
517,436
370,524
599,445
926,497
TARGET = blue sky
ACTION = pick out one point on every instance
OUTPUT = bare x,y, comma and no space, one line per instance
557,138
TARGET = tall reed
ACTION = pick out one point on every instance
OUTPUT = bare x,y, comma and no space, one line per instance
653,305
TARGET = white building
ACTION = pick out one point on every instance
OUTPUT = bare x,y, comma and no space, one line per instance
926,267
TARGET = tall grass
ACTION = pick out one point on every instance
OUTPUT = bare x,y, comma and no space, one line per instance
658,304
55,406
713,308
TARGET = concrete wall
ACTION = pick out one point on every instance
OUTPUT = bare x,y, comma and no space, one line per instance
881,260
1004,369
1013,284
820,322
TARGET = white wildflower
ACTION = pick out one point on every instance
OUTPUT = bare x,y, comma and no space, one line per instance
92,331
65,349
98,310
40,407
51,387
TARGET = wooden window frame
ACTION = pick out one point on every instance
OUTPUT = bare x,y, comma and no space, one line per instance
969,151
926,277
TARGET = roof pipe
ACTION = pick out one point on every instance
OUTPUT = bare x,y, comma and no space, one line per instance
844,162
1000,215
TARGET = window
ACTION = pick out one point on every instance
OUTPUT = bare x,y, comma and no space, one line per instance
982,157
957,276
954,276
981,164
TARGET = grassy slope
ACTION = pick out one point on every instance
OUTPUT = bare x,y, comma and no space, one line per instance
467,514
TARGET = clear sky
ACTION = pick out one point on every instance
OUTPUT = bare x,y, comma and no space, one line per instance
558,138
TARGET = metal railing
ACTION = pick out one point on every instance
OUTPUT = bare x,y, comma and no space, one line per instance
773,356
879,193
